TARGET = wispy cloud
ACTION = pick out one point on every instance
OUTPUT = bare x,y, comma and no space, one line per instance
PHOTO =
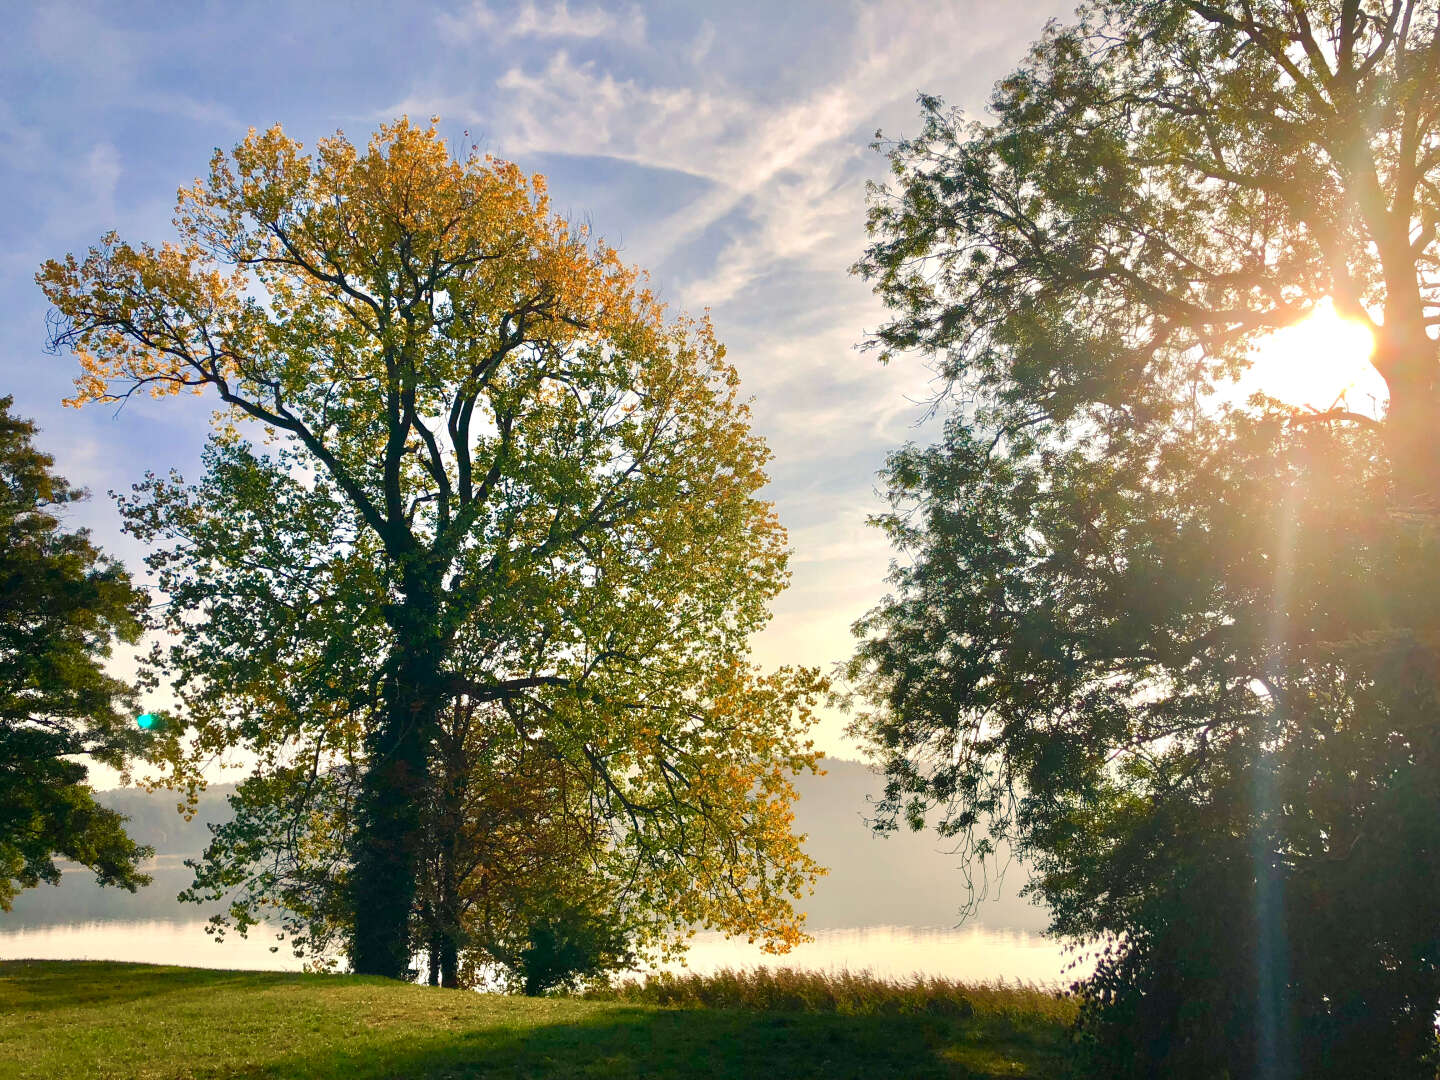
530,20
119,62
791,170
22,145
704,41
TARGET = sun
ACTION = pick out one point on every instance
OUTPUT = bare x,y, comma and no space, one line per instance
1321,362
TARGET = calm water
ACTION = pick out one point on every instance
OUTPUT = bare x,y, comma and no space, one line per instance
887,904
974,953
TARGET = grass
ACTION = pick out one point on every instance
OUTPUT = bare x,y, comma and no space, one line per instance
106,1020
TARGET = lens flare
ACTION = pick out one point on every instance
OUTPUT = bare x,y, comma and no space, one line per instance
145,721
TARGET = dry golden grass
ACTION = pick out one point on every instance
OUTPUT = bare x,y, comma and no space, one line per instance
847,993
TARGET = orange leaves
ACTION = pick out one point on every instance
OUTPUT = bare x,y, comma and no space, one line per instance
261,179
143,317
393,248
744,873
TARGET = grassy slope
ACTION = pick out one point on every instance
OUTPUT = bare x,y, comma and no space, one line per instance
105,1020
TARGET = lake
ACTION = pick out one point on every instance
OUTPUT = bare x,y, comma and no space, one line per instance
973,953
888,904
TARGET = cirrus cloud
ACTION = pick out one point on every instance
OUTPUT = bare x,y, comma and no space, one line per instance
529,20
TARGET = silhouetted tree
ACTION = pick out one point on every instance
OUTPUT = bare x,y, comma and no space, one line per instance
1182,654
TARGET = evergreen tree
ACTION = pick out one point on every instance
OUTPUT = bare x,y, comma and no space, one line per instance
63,605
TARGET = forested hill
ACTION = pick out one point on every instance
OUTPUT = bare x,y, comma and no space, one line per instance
900,880
155,818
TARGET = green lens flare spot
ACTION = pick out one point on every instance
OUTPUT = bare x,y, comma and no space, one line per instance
145,720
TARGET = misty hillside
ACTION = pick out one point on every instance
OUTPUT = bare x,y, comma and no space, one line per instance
900,880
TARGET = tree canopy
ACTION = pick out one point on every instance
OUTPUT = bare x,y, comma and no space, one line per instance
63,607
1173,646
500,474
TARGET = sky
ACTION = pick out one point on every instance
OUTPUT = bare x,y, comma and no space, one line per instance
724,147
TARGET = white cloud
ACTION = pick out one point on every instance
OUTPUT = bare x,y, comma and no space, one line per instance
530,20
790,168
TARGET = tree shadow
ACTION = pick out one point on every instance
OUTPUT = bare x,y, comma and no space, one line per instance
46,985
623,1042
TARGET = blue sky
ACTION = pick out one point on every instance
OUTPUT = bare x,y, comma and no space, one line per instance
723,147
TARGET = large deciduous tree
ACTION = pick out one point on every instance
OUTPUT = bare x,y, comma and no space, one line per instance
63,607
501,474
1178,650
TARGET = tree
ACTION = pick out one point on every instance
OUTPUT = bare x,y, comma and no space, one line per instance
1173,648
500,472
63,605
1167,180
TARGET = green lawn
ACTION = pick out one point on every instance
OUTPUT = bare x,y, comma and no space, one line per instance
87,1019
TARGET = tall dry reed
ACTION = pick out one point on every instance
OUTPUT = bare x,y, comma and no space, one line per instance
846,992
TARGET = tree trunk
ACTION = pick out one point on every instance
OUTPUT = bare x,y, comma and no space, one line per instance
1409,361
392,792
386,845
449,962
1413,436
449,879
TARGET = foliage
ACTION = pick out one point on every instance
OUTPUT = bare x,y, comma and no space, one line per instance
515,847
280,855
63,605
499,472
117,1021
1163,182
1176,650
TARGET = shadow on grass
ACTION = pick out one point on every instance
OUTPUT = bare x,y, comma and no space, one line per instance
45,985
119,1021
629,1042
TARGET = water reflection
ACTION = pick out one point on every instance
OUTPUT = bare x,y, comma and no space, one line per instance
974,953
149,942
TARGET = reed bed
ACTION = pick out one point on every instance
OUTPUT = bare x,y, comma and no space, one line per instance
853,993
